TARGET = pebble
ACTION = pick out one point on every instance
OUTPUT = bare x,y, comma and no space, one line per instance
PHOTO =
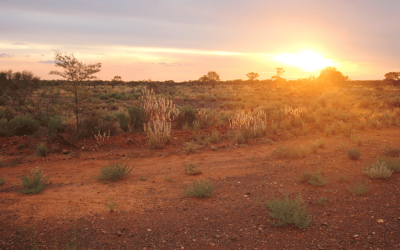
217,236
380,221
149,230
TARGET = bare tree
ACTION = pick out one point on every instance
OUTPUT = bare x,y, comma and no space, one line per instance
75,73
115,81
279,72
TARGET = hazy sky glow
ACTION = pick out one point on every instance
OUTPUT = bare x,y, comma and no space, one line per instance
184,39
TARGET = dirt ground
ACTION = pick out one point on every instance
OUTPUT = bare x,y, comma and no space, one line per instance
152,213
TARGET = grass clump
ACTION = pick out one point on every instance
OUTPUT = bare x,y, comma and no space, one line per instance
199,189
41,150
214,137
360,188
356,140
321,201
2,164
114,171
314,179
191,148
392,152
378,170
35,182
111,205
286,153
143,178
286,211
353,153
391,163
192,170
2,181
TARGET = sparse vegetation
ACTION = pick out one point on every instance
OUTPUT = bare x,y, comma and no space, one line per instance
360,188
283,152
286,211
392,152
35,182
111,205
41,150
391,163
199,189
378,170
191,148
114,171
315,179
321,201
353,153
2,181
191,169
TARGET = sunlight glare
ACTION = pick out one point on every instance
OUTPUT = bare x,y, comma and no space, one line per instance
307,61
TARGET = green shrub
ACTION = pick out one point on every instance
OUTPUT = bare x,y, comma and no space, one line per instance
4,128
191,148
286,152
199,189
23,125
214,137
123,119
321,201
114,171
2,181
378,170
137,115
353,153
392,164
55,124
192,170
285,211
35,182
392,152
360,188
187,115
111,205
206,118
314,179
41,150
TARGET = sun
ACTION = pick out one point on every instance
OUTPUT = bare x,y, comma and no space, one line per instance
308,61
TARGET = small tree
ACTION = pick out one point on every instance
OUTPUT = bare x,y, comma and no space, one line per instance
212,75
279,72
75,73
331,75
204,80
393,77
115,81
252,76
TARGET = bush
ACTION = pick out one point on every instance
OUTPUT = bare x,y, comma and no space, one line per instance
392,152
199,189
392,164
353,153
206,118
214,137
35,182
286,153
137,117
360,188
378,170
2,181
114,171
192,170
314,179
41,150
187,115
123,119
285,211
23,125
55,124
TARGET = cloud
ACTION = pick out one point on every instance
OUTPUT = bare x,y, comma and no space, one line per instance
48,61
165,64
5,55
42,54
18,44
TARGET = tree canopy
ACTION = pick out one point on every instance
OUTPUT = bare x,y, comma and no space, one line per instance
331,75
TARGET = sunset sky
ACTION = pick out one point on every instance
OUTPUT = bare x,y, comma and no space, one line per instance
184,39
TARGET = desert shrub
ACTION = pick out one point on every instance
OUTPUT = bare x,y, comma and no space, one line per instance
356,140
206,118
159,134
2,181
2,164
35,182
321,201
41,150
23,125
191,148
360,188
314,147
114,171
314,179
90,125
392,164
353,153
4,128
123,119
111,205
187,115
249,125
214,137
239,138
378,170
199,189
392,152
55,124
286,211
191,169
137,116
283,152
